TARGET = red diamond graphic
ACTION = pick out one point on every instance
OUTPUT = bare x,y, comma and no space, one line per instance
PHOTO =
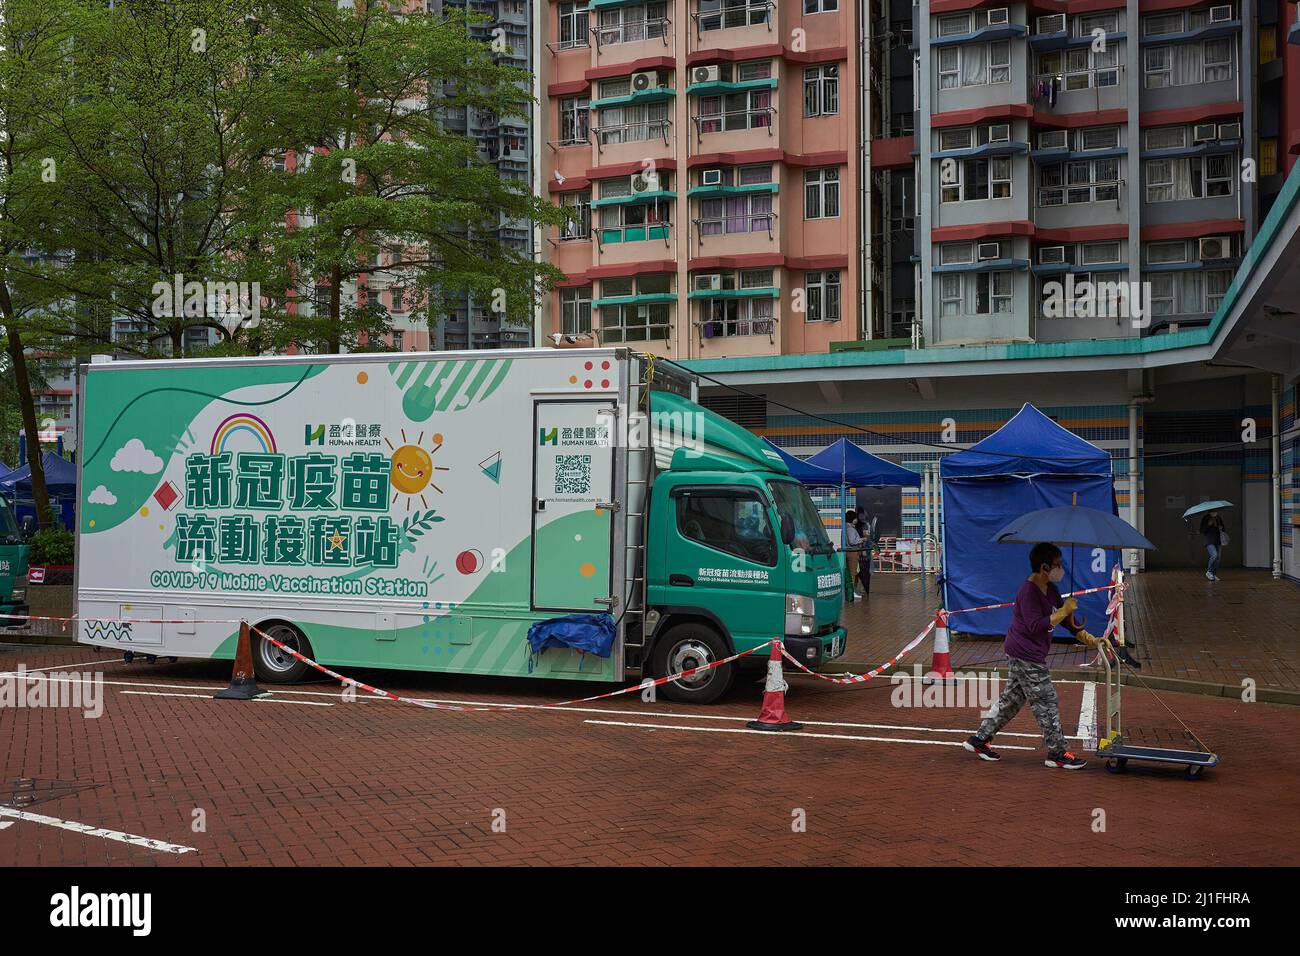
166,495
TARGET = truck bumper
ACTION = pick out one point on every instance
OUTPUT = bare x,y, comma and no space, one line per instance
812,652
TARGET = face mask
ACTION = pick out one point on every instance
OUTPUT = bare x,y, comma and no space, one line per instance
1056,575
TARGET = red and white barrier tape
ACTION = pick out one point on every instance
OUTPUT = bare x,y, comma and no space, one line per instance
429,705
874,672
990,607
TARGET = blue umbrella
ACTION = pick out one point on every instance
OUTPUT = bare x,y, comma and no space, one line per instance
1206,506
1073,525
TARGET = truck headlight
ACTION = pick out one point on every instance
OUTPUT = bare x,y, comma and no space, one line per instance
800,618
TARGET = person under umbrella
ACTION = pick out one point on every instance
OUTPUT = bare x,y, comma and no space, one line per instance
1038,611
1213,533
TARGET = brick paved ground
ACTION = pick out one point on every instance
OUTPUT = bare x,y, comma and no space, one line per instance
1185,627
376,782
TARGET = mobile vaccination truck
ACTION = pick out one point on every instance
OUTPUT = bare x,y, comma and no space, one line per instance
422,510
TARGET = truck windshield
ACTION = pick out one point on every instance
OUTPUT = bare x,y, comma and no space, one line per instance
809,533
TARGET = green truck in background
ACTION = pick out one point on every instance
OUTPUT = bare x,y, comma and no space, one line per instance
13,571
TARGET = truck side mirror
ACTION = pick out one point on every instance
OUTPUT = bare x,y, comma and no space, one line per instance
787,530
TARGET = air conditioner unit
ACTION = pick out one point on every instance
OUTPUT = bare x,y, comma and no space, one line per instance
1221,14
1054,139
1055,23
644,183
711,282
710,177
1205,132
998,15
1214,247
706,74
1051,255
645,80
989,250
1000,133
1229,131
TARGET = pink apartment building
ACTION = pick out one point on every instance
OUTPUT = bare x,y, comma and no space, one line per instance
709,151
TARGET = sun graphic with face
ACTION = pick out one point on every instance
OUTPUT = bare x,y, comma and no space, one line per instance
413,468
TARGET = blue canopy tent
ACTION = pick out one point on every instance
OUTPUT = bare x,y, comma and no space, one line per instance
855,468
60,483
804,472
1029,463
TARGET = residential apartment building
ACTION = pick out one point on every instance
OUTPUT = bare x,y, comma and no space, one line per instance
709,151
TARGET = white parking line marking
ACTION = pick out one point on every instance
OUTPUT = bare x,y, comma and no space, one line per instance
790,733
268,700
87,830
54,667
6,825
1087,730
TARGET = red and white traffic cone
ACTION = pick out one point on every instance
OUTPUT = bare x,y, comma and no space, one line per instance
243,682
940,664
773,715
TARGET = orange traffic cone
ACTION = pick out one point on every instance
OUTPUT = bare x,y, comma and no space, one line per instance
940,664
773,715
243,683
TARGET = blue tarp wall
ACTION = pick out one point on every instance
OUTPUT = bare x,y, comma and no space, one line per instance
1029,463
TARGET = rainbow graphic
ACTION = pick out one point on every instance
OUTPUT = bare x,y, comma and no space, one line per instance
243,422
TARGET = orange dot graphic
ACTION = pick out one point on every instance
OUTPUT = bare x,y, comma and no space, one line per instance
573,380
437,438
587,569
362,378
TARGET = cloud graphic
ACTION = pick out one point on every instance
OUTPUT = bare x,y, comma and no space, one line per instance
102,496
133,456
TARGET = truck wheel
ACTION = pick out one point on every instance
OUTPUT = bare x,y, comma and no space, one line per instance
687,646
273,665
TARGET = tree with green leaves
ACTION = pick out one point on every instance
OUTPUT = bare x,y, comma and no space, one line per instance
379,183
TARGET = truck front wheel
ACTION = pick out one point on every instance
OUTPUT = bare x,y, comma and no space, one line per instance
272,664
687,646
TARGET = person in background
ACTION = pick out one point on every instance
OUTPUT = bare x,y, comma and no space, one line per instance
1212,532
852,550
1039,609
867,532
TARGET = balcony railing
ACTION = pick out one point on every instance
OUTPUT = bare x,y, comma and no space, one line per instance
735,225
654,28
609,235
730,328
1051,196
632,132
726,122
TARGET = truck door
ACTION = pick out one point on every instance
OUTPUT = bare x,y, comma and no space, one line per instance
573,483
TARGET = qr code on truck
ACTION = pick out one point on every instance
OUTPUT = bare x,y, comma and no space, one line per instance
572,474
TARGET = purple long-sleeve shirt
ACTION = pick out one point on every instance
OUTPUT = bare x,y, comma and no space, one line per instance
1030,635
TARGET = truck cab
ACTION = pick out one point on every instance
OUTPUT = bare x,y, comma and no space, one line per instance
736,555
13,571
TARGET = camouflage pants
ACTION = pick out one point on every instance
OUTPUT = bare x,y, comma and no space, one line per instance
1031,682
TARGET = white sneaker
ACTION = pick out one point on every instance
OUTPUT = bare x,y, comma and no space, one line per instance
1209,576
1214,577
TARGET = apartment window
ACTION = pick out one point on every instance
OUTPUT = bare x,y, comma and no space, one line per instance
1162,24
633,222
1082,67
1099,137
822,296
1189,177
632,24
740,316
575,310
1192,292
821,193
574,120
633,123
960,138
718,14
991,292
1093,253
397,295
1108,23
1166,137
578,205
821,90
1079,181
634,323
955,25
974,64
750,212
950,293
573,25
972,179
955,253
1188,64
820,6
751,109
397,341
1163,253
